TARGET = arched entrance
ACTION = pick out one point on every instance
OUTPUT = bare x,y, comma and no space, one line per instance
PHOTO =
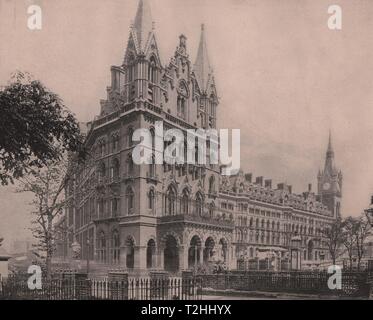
209,252
194,253
171,254
310,250
130,256
150,254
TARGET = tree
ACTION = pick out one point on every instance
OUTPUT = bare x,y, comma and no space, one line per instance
349,240
47,185
362,231
32,120
334,238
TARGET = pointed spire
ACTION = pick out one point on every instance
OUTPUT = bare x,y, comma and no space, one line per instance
330,148
143,24
329,165
202,68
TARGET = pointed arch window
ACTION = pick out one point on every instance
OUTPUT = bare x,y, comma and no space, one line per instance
212,185
130,165
101,247
152,167
151,198
115,247
170,201
152,71
185,202
199,204
130,201
130,134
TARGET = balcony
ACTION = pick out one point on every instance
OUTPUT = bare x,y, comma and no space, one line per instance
216,221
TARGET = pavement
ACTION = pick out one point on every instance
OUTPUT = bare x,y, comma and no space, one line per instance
259,295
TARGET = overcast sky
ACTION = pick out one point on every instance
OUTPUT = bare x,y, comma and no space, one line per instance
283,77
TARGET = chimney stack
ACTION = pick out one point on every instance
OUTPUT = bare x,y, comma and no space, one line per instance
249,177
281,186
259,181
268,183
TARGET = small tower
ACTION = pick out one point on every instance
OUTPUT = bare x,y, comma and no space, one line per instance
204,76
330,183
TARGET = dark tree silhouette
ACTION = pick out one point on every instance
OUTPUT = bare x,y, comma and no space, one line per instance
35,128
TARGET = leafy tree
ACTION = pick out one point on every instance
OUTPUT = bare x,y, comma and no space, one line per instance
35,128
334,238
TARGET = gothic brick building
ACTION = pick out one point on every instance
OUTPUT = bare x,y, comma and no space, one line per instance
176,217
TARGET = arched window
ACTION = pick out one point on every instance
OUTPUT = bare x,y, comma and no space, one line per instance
130,256
114,143
130,201
114,207
115,248
185,202
211,210
151,198
130,165
199,204
152,167
102,171
152,133
170,201
130,134
150,254
114,170
131,67
152,71
101,247
212,185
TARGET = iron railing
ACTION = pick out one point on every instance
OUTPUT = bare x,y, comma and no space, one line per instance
105,289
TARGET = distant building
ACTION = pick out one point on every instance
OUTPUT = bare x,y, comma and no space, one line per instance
177,217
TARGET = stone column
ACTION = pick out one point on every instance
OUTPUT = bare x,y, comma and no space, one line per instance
201,255
183,257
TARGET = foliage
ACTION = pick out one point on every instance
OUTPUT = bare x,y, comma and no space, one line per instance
35,128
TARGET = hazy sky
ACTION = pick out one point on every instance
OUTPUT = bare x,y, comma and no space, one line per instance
283,77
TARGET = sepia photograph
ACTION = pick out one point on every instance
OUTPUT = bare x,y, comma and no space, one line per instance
186,150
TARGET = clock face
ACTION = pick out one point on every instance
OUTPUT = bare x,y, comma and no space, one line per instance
326,186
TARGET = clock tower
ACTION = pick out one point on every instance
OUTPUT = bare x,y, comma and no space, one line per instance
330,183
